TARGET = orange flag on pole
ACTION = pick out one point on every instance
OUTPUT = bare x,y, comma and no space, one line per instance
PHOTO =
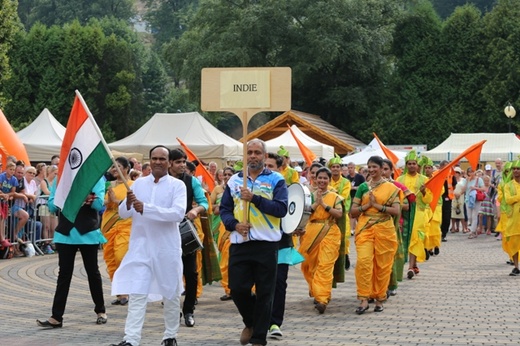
435,184
200,170
307,154
389,155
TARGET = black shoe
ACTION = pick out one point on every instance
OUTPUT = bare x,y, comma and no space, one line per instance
444,240
510,263
189,320
361,310
122,343
436,251
47,324
410,274
347,262
379,308
515,272
226,297
169,342
427,254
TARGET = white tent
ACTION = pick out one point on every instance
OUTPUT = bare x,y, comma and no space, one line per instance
43,137
499,145
205,140
372,149
287,140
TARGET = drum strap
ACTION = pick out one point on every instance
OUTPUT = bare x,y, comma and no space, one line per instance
323,233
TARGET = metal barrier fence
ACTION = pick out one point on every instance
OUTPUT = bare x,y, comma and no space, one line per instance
32,223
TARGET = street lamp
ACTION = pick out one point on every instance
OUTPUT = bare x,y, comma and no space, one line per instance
510,112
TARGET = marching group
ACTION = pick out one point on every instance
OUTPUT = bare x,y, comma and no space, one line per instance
240,223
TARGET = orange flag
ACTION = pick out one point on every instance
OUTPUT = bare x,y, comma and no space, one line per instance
435,184
307,154
200,170
389,155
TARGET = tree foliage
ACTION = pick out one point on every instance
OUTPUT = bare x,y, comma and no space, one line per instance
59,12
115,73
9,26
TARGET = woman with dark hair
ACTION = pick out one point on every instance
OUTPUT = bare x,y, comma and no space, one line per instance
219,231
115,229
376,206
321,240
311,183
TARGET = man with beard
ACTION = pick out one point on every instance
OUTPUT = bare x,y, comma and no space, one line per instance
253,254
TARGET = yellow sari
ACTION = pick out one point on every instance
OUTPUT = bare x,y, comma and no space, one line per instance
320,245
116,231
376,241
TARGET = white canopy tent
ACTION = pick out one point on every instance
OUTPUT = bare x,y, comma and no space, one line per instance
205,140
372,149
499,145
43,137
287,140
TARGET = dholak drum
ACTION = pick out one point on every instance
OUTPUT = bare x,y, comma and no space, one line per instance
189,238
299,208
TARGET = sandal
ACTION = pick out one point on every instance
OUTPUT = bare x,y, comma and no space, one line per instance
465,231
472,236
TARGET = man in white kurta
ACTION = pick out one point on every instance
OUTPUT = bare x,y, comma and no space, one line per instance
152,267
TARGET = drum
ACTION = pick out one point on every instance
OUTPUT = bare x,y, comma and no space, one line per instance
189,238
299,208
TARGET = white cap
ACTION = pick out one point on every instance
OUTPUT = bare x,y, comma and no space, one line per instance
488,167
458,169
298,169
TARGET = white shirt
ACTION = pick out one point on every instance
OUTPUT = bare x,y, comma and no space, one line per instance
153,263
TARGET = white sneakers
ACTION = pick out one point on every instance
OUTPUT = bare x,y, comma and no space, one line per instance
275,332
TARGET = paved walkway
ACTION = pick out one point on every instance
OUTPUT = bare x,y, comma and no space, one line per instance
464,296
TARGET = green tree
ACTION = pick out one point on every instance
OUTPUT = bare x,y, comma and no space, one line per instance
59,12
9,26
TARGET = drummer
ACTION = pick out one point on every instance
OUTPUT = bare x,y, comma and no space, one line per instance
194,193
342,187
274,163
290,175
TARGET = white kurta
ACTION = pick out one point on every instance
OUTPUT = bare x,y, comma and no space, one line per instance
153,263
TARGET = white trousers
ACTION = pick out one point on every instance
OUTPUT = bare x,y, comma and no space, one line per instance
137,311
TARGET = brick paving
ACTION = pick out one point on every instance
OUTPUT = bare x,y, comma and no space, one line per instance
464,296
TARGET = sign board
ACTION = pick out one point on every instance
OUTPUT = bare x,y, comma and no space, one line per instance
251,89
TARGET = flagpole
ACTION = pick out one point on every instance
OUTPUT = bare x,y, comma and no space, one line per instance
105,145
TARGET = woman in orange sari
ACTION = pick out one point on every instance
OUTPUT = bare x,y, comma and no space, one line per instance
375,205
116,230
321,240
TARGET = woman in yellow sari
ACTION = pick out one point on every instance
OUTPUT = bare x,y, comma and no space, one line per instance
321,240
116,230
375,205
222,235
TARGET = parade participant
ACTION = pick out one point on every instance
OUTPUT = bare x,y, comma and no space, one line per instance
342,187
450,184
194,193
415,222
311,184
114,228
287,256
152,267
83,235
320,243
219,230
399,258
356,180
432,241
290,175
254,241
504,207
512,231
377,207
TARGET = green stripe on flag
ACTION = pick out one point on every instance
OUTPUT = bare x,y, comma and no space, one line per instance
92,169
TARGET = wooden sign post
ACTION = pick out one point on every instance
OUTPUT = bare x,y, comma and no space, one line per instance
245,92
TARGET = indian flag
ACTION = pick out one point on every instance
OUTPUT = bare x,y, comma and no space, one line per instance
84,160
